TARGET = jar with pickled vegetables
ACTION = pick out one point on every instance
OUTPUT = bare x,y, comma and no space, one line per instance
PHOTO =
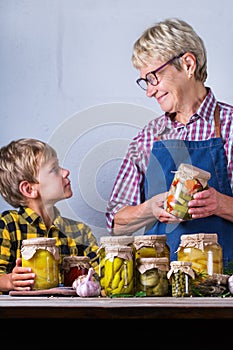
73,267
203,250
119,271
180,276
42,255
111,241
187,181
151,246
151,277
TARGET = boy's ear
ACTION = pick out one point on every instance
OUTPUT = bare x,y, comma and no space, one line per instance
28,190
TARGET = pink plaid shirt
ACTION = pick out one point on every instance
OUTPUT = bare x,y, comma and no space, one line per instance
128,188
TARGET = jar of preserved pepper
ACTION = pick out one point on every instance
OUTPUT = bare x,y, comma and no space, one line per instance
73,267
119,271
151,277
203,250
180,276
42,255
187,181
151,246
111,241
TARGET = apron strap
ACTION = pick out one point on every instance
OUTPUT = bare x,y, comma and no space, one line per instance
217,121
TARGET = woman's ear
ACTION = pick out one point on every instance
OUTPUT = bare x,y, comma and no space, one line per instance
28,190
189,61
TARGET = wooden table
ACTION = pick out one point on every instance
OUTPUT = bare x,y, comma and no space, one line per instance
60,307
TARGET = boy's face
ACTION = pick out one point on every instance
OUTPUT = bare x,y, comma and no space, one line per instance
54,184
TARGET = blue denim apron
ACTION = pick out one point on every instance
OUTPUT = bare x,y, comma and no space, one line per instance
208,155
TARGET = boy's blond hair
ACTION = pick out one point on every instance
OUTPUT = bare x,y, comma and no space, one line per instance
20,160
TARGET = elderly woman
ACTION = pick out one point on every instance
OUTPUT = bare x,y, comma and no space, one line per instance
195,128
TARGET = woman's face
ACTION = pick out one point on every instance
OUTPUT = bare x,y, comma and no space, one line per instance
171,90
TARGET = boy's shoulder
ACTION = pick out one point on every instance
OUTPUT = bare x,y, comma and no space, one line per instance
9,215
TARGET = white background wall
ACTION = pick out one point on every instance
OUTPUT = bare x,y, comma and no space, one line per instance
66,77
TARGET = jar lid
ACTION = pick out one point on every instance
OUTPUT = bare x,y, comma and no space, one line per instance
193,171
124,240
79,261
152,238
39,241
197,237
144,264
180,263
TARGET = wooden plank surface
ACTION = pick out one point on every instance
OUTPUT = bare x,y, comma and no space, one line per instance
115,308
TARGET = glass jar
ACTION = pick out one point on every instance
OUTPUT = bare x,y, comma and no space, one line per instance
42,255
203,250
151,246
119,271
111,241
73,267
151,276
187,181
180,276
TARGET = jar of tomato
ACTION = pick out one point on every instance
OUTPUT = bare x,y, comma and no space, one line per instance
73,267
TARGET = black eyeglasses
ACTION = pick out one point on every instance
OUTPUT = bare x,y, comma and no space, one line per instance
151,77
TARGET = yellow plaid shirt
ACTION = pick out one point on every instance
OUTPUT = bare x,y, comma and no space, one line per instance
72,237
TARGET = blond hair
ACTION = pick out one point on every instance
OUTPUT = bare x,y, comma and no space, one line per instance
19,161
167,39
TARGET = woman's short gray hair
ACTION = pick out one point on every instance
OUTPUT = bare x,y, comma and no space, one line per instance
167,39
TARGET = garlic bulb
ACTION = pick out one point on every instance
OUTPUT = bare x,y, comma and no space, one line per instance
87,286
230,284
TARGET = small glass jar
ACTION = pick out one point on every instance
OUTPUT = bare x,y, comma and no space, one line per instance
119,271
151,277
42,255
151,246
111,241
180,276
203,250
73,267
187,181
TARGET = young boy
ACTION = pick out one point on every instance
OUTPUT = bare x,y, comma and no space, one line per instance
32,181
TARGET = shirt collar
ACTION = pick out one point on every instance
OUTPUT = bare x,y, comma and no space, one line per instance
32,217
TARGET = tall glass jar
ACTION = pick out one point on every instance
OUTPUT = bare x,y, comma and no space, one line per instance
119,271
180,276
42,255
73,267
151,246
151,276
187,181
111,241
203,250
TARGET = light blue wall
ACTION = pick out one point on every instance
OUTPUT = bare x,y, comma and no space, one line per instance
67,78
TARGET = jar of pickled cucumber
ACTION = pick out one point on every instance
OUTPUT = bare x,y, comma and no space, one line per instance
151,246
111,241
151,277
180,276
73,267
42,255
119,270
187,181
203,250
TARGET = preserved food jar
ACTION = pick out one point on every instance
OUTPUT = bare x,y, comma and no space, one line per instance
203,250
119,270
151,246
42,255
73,267
187,181
151,277
111,241
180,276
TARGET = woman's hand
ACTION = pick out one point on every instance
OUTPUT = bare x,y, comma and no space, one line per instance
159,212
205,203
